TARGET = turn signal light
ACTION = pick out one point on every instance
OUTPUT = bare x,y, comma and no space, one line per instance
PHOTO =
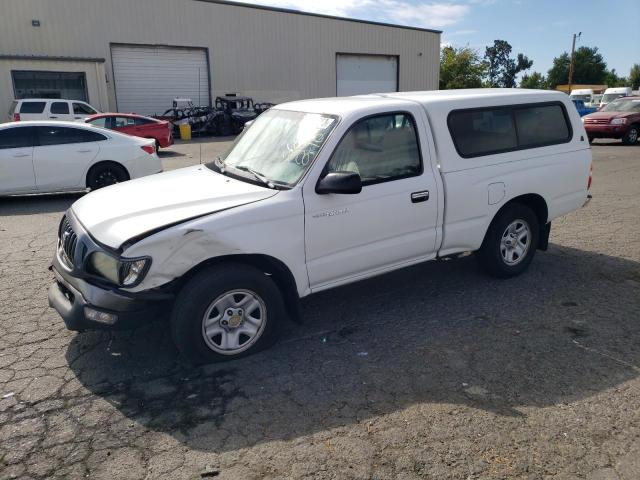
150,149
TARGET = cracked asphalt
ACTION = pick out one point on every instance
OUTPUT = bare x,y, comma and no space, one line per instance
434,372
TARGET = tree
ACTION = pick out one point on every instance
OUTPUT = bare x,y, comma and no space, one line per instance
634,76
460,68
612,79
501,68
535,80
589,68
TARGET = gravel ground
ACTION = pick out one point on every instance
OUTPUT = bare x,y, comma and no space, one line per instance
434,372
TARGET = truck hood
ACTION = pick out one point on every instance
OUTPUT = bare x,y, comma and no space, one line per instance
118,213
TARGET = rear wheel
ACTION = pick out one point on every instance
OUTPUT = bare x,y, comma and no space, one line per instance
632,135
511,241
105,174
226,312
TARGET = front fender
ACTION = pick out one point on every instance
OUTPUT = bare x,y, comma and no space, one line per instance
274,228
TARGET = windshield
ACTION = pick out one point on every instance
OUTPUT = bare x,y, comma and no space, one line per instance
584,98
623,106
610,97
280,145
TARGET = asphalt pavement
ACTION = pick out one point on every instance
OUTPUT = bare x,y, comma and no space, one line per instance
433,372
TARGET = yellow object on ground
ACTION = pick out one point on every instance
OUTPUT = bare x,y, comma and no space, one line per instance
185,131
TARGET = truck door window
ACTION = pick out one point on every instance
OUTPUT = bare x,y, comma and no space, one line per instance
380,149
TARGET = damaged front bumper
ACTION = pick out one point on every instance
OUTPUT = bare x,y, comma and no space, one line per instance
84,306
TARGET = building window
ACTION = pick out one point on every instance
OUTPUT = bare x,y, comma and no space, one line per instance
32,84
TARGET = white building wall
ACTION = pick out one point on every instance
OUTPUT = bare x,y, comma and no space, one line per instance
272,56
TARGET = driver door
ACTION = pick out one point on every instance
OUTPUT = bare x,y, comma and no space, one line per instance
391,222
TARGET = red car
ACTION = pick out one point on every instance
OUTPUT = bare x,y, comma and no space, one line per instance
618,119
136,125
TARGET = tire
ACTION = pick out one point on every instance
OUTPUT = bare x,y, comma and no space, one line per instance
502,253
105,174
201,326
632,135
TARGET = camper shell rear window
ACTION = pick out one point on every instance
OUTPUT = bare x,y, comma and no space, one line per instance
484,131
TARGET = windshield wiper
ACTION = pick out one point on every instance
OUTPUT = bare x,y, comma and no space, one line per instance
257,175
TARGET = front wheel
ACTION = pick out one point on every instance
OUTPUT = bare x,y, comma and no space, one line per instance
631,137
226,312
511,242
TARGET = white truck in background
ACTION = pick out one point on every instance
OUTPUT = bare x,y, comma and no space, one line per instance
584,94
610,94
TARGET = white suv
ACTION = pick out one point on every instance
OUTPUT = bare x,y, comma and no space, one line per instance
50,109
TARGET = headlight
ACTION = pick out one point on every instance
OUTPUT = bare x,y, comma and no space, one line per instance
618,121
119,271
133,271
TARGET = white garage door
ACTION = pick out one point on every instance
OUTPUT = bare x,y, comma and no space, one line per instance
147,79
360,74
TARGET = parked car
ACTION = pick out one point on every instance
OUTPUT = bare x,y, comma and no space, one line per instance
618,119
45,157
610,94
136,125
316,194
49,109
582,107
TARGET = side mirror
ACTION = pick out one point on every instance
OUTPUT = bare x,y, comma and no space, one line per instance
339,182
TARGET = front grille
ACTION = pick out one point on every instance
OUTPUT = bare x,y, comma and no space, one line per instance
67,242
596,121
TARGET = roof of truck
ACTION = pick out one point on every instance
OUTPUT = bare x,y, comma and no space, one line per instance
440,98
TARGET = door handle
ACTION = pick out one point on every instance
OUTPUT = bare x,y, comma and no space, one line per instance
83,151
78,118
21,155
422,196
52,117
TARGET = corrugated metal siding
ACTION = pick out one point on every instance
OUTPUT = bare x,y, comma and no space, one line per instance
271,55
147,79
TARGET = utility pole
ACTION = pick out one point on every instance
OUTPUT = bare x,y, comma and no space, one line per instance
573,54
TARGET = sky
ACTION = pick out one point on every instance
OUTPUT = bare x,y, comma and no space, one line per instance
541,29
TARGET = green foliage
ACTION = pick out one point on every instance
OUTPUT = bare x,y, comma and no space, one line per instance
460,68
634,76
535,80
589,68
501,68
613,80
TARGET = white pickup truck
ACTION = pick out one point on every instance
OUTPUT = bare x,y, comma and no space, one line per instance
316,194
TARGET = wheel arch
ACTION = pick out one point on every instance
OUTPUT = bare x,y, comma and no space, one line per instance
538,204
103,163
276,269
